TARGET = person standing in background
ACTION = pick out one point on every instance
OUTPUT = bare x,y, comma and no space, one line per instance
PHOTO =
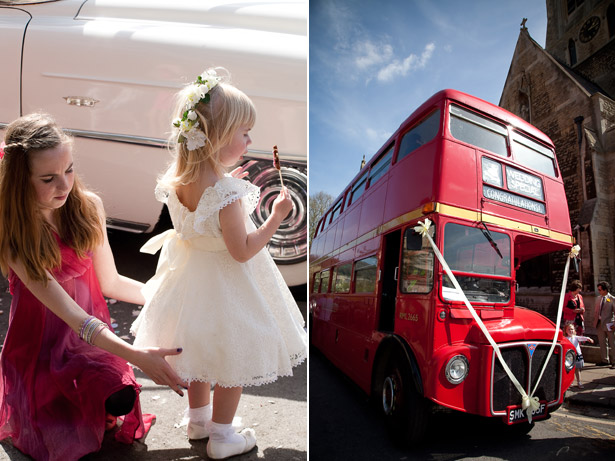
604,317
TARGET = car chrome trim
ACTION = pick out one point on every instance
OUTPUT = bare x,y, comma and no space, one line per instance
126,138
158,142
128,226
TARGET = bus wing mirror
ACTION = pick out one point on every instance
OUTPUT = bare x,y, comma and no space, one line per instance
414,241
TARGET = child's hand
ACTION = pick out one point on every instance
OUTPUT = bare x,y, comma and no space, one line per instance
591,340
282,204
239,173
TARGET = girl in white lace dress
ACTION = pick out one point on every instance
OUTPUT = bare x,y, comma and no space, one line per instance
217,291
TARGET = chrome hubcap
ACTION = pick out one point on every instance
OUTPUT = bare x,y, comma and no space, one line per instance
388,395
289,244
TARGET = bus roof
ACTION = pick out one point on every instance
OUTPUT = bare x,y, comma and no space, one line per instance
463,98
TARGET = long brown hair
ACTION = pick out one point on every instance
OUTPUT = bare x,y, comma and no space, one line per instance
24,233
227,110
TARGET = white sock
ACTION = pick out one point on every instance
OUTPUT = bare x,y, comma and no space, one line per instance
200,415
224,433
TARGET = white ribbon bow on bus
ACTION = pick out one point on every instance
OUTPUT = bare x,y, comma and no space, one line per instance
529,403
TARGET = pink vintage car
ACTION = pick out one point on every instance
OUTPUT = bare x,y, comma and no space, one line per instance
107,70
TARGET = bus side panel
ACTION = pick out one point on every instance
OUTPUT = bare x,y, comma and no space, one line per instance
323,332
356,321
458,162
372,210
339,231
367,248
413,323
559,218
405,194
351,224
329,244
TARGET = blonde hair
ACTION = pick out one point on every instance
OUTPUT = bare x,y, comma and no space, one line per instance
227,110
24,233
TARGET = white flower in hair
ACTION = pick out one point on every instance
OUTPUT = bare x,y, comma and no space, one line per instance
195,138
196,93
210,79
185,126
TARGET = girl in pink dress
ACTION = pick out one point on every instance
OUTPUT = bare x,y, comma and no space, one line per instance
63,374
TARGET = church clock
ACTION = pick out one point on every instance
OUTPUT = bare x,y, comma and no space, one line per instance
589,29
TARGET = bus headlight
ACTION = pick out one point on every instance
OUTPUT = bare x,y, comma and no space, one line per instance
457,369
571,356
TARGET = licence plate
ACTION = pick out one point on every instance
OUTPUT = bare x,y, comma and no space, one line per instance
514,414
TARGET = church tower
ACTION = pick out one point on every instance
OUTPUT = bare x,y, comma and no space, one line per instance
567,90
580,34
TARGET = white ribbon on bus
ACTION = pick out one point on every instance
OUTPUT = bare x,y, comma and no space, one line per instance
529,403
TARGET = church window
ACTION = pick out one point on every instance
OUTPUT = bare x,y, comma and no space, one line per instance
610,19
572,52
573,4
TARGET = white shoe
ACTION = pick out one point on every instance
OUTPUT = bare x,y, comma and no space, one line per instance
197,430
223,450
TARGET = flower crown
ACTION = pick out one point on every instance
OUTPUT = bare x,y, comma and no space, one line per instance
198,92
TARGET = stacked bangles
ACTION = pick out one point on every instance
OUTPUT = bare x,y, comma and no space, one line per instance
91,328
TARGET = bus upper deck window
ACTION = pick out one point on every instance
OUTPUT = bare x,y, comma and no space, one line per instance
336,210
381,166
533,155
478,130
325,221
421,134
357,189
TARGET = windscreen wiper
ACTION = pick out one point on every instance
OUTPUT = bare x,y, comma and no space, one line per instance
487,235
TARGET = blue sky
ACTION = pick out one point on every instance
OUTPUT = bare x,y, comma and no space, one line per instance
372,63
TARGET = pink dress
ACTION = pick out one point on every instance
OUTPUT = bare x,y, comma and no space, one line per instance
53,385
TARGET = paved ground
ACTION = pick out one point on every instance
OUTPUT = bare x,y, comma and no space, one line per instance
277,412
598,387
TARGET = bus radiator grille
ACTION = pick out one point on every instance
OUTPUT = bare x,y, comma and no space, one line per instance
524,364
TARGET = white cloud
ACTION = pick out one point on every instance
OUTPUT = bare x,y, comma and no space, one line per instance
412,62
370,54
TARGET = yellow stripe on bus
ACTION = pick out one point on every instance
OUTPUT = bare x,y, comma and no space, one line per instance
454,212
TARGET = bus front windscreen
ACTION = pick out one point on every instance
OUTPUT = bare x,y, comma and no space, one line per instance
480,251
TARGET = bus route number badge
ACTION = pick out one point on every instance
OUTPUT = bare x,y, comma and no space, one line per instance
515,414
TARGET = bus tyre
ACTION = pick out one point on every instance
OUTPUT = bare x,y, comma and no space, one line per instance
405,410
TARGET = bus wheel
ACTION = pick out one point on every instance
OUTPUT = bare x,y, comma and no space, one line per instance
405,410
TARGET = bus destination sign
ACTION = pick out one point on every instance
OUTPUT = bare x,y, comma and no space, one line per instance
513,199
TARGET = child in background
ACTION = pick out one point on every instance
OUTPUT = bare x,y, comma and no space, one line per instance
570,333
58,391
216,288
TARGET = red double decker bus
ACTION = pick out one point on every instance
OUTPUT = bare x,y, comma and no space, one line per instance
382,308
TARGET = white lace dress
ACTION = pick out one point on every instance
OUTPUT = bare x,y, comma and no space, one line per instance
237,323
